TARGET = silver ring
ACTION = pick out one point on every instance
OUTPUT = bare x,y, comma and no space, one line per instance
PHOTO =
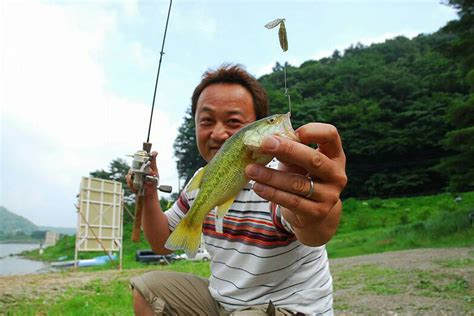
311,187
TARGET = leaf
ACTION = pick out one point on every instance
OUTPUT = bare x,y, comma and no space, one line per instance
274,23
282,36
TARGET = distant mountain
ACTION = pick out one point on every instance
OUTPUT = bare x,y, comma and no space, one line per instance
11,224
62,230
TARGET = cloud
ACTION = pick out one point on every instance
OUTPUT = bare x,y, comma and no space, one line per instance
195,19
58,120
141,56
130,7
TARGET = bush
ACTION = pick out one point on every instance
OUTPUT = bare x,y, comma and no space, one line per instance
376,203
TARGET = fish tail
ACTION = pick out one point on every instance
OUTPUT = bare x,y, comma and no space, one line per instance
186,236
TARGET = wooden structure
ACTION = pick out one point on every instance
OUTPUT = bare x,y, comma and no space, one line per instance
100,217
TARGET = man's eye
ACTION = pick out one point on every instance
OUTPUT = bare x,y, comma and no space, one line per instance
205,121
234,122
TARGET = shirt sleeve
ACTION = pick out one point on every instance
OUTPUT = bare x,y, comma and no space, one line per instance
181,207
177,211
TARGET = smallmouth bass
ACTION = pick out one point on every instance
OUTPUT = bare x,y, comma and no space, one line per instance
221,180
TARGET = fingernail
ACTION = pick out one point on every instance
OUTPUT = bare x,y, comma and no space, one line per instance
252,171
270,143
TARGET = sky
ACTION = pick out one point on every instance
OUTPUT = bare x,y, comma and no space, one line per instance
77,77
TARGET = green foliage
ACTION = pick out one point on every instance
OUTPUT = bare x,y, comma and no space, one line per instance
459,166
38,234
185,149
389,103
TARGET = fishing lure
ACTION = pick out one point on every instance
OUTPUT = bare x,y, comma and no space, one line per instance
282,36
281,32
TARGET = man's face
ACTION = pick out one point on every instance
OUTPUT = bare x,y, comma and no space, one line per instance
222,109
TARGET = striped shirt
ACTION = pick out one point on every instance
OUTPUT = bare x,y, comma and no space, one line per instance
257,258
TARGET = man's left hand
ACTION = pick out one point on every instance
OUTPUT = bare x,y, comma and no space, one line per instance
308,183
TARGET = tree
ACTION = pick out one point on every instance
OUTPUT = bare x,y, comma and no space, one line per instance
38,234
185,149
459,140
463,45
459,167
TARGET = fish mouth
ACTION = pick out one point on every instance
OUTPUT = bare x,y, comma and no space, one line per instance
288,130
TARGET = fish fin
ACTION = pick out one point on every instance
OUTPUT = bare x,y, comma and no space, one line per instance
224,207
196,181
186,236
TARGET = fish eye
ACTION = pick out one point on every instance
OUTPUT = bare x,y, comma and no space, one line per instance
271,120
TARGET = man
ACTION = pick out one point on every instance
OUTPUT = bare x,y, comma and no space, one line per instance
270,253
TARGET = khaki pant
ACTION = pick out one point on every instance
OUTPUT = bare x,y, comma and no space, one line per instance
172,293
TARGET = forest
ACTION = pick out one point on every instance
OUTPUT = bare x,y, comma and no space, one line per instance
404,109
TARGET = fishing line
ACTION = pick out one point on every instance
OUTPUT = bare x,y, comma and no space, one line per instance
286,91
283,38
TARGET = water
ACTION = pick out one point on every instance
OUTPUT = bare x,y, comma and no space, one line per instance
14,265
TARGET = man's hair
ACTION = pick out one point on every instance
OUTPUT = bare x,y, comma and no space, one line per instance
234,74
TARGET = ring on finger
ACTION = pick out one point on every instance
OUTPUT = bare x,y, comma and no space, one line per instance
311,188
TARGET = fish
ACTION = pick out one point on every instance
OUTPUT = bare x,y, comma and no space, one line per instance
221,180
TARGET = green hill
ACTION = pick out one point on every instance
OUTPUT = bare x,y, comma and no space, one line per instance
396,105
12,224
16,227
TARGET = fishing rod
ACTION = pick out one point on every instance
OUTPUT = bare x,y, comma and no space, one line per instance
142,158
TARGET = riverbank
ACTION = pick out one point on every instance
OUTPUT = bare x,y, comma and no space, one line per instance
11,263
420,281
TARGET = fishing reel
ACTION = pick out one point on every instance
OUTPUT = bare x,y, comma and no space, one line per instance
140,170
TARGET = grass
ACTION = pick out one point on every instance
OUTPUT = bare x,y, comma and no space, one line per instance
377,225
97,297
369,226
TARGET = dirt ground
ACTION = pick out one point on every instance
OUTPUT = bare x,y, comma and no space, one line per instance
421,290
349,299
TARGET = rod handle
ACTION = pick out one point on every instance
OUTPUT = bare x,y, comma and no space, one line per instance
137,224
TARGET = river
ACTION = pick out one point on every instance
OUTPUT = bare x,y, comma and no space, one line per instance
10,264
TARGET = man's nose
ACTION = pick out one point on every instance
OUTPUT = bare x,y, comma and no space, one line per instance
220,133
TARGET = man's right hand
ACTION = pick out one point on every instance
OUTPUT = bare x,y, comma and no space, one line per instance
149,186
